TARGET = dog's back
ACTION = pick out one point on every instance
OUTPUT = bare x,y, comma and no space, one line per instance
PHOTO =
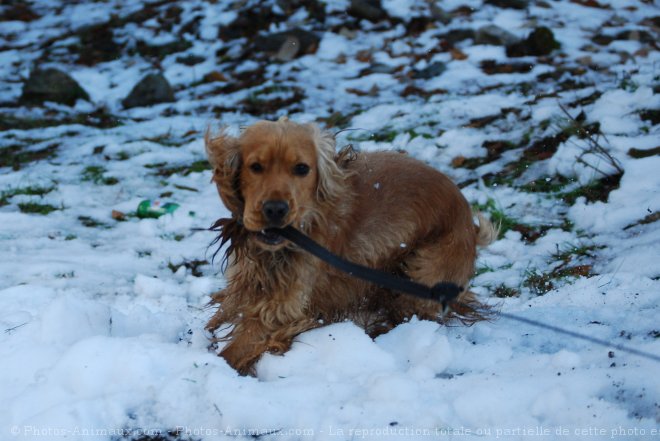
406,218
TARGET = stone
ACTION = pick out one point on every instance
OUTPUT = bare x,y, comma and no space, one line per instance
370,10
287,45
432,70
540,42
495,36
97,45
509,4
249,22
439,14
51,85
457,35
152,89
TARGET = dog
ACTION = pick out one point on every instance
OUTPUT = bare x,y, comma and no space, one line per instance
384,210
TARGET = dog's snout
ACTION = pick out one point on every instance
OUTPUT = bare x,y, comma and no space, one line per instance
274,212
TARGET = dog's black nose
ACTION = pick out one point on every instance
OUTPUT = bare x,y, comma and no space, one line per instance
274,212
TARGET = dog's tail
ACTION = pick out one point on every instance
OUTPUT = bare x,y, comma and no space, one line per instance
486,231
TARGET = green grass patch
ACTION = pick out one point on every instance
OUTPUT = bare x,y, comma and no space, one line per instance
497,217
99,118
598,190
123,156
184,170
503,291
95,174
538,283
36,208
90,222
167,140
384,135
34,190
16,156
508,175
546,184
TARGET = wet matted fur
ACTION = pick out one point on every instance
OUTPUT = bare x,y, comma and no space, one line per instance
384,210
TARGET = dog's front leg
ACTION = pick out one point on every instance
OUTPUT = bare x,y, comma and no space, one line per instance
251,339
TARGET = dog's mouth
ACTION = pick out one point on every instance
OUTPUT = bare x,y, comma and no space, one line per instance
270,236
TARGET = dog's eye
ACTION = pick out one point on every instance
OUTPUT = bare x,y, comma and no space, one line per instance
301,169
256,167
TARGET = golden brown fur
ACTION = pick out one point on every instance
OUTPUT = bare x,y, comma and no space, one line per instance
384,210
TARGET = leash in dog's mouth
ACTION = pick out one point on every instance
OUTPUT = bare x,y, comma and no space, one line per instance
443,292
270,236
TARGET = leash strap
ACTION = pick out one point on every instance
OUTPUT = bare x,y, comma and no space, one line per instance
443,292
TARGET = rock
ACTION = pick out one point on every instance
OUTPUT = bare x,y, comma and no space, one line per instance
370,10
287,45
417,25
97,44
249,22
51,85
163,50
439,14
495,36
152,89
18,11
457,35
432,70
491,67
509,4
540,42
314,8
190,60
214,76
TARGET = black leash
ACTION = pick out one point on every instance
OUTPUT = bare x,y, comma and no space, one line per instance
443,292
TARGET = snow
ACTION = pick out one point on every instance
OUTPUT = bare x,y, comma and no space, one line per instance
103,321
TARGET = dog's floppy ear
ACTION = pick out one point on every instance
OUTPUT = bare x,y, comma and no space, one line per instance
330,176
224,156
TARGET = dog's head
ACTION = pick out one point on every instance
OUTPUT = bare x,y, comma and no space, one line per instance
274,174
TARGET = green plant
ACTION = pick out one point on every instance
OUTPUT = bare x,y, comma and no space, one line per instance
95,174
503,291
29,191
498,217
36,208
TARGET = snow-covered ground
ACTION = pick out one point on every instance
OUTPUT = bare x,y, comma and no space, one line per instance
102,320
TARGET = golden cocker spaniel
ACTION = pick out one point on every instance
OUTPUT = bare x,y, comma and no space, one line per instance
384,210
